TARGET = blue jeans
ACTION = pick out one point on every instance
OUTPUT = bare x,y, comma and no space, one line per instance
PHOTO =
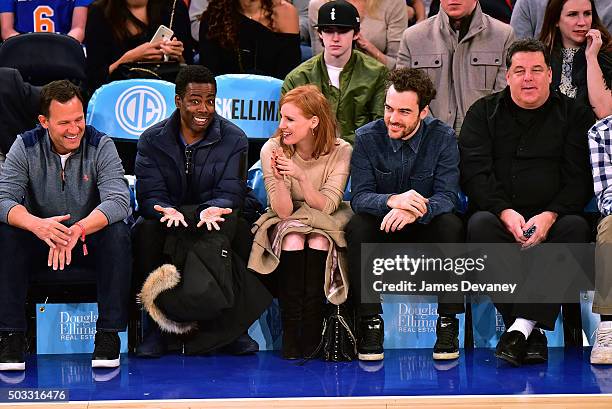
110,257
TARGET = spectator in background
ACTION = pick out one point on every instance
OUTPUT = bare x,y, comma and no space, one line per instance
528,16
498,9
382,23
19,103
581,53
464,56
54,16
416,11
250,37
120,31
196,8
353,83
302,9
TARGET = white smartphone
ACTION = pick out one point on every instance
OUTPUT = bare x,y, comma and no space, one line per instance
163,33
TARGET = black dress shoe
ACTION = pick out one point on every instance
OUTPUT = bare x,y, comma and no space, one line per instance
537,348
512,347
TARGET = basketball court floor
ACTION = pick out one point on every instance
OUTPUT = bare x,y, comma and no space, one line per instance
406,378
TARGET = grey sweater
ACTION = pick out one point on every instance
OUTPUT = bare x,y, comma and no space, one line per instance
93,178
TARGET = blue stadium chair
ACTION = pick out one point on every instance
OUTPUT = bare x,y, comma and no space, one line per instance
255,181
124,109
251,102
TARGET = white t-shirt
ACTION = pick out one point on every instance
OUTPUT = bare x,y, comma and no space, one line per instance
334,75
63,158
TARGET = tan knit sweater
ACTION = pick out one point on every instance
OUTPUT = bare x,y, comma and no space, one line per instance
328,174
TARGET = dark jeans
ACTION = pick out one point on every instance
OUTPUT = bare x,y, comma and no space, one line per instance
365,228
110,256
485,227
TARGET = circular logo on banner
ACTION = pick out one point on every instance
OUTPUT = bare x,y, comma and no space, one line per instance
138,108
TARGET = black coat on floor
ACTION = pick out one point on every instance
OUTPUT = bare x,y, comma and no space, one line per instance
214,299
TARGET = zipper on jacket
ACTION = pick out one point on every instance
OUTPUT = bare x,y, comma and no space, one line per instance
188,160
63,174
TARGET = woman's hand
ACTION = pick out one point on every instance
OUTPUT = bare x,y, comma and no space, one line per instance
365,44
287,167
173,49
274,165
145,52
593,45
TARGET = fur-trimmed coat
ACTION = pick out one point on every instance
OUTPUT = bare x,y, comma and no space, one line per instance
210,296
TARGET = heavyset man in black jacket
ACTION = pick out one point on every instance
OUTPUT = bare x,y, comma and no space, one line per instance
525,164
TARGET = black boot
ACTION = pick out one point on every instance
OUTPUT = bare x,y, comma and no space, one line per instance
314,300
290,273
153,344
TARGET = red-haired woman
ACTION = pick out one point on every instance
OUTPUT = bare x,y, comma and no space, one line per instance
305,168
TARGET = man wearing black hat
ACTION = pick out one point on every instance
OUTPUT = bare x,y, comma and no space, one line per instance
353,82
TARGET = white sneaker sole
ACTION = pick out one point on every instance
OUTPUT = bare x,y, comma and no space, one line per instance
445,355
105,363
12,366
601,358
371,357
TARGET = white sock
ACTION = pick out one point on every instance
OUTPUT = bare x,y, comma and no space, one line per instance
522,325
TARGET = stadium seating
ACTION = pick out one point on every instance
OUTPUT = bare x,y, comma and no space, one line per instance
45,57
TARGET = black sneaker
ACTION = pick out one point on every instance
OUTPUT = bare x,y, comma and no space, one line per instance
447,338
12,351
512,347
371,335
106,353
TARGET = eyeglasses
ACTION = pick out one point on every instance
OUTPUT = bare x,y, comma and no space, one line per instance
334,29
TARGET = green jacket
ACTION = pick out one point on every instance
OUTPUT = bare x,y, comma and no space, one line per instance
361,96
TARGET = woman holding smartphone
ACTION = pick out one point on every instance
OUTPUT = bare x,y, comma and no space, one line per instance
581,53
120,31
305,169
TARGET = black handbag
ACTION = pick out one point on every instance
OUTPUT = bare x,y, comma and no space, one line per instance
156,70
338,342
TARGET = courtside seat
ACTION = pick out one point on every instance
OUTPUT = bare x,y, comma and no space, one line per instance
124,109
252,103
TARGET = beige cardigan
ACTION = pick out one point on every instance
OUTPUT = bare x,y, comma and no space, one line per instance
329,174
263,260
